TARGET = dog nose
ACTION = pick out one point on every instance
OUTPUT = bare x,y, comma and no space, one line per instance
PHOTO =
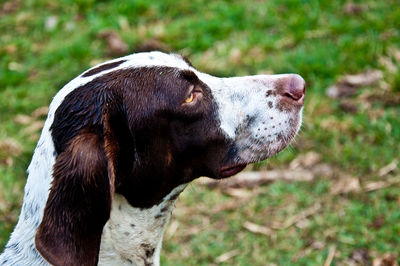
292,88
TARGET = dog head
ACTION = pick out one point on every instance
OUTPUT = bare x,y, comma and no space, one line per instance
146,123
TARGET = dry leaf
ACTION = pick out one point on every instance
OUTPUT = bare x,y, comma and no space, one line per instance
232,204
388,168
298,217
349,84
41,111
348,106
367,78
395,53
172,228
152,45
359,257
345,185
10,49
377,222
115,45
387,259
375,185
258,229
330,257
34,127
226,256
23,119
237,192
387,63
251,179
10,147
235,56
9,7
351,8
306,160
340,90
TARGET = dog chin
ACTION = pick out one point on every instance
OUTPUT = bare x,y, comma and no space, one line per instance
256,153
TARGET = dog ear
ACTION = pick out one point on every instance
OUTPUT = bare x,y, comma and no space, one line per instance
79,203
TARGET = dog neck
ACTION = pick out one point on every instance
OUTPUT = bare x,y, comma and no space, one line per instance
133,236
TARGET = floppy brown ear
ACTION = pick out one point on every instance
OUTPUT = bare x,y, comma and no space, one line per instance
78,205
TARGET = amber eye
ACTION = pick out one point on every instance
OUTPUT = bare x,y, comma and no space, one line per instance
190,98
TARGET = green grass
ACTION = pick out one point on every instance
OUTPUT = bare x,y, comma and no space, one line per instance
314,38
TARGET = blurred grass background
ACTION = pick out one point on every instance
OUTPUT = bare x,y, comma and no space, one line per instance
349,216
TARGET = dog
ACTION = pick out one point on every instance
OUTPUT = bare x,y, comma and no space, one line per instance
122,141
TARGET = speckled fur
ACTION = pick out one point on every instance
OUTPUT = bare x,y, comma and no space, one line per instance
134,235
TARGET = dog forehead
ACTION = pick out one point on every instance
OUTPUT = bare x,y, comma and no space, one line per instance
155,59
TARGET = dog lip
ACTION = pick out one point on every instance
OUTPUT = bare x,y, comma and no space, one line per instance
230,170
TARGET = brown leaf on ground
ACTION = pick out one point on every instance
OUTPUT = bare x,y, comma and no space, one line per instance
308,159
395,53
229,205
341,90
227,256
34,127
23,119
258,229
41,111
10,49
251,179
376,185
331,255
152,45
9,148
388,259
348,106
9,7
351,8
314,245
115,45
171,229
235,56
359,257
297,217
389,99
349,84
388,168
238,192
377,222
345,185
388,64
366,78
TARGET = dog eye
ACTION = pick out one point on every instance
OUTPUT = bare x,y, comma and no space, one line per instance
195,93
190,98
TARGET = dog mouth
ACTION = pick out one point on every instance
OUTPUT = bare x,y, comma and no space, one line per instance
230,170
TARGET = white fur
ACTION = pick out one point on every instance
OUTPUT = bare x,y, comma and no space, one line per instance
131,231
239,98
235,97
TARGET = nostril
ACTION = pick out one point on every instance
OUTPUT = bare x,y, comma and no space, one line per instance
293,96
293,88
